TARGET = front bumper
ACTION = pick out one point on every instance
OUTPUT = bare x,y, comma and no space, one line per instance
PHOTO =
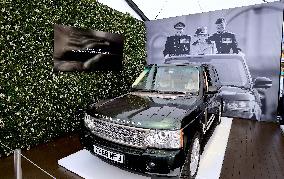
166,162
238,113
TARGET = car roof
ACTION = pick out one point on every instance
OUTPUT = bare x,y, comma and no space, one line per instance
184,60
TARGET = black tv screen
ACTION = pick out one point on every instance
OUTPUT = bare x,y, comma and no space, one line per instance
77,49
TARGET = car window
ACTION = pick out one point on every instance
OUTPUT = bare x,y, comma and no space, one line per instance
177,78
140,82
144,80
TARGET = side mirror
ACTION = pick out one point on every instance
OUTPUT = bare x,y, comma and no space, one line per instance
262,82
212,90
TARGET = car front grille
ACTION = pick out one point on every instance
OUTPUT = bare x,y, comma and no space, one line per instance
121,134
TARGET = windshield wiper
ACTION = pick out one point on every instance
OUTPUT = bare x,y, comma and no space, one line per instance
173,92
146,90
162,92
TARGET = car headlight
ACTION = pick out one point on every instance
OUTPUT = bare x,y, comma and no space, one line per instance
164,139
239,105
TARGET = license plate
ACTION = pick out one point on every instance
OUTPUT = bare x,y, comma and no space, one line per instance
109,155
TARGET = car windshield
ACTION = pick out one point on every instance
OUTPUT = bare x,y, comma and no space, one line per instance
169,79
231,71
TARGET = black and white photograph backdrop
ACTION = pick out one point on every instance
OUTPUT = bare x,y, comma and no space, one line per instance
77,49
244,44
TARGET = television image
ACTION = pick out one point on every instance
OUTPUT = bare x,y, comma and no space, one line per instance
77,49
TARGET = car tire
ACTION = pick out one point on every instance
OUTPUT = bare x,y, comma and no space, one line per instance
190,167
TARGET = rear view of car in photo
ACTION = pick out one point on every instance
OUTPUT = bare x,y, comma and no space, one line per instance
158,127
243,96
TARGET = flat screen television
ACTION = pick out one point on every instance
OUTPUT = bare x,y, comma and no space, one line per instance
78,49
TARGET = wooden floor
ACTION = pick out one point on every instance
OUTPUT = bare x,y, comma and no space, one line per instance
255,150
46,156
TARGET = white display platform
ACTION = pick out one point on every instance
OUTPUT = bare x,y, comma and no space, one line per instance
88,166
212,157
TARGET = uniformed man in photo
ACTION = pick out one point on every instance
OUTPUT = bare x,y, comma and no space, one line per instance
179,44
225,41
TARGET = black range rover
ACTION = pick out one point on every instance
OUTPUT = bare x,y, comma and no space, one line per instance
156,128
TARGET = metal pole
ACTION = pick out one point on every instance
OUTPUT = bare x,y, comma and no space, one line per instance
137,10
17,164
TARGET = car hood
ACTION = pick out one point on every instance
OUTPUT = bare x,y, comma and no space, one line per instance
146,110
229,93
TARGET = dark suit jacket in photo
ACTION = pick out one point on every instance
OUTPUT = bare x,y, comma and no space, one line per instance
177,45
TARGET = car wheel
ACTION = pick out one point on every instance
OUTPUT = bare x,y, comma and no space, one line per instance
191,164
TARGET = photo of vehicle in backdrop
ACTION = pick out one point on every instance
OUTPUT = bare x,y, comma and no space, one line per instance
244,44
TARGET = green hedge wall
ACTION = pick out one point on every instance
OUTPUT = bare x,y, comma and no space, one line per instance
37,105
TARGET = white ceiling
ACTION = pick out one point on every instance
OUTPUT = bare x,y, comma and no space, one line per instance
171,8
